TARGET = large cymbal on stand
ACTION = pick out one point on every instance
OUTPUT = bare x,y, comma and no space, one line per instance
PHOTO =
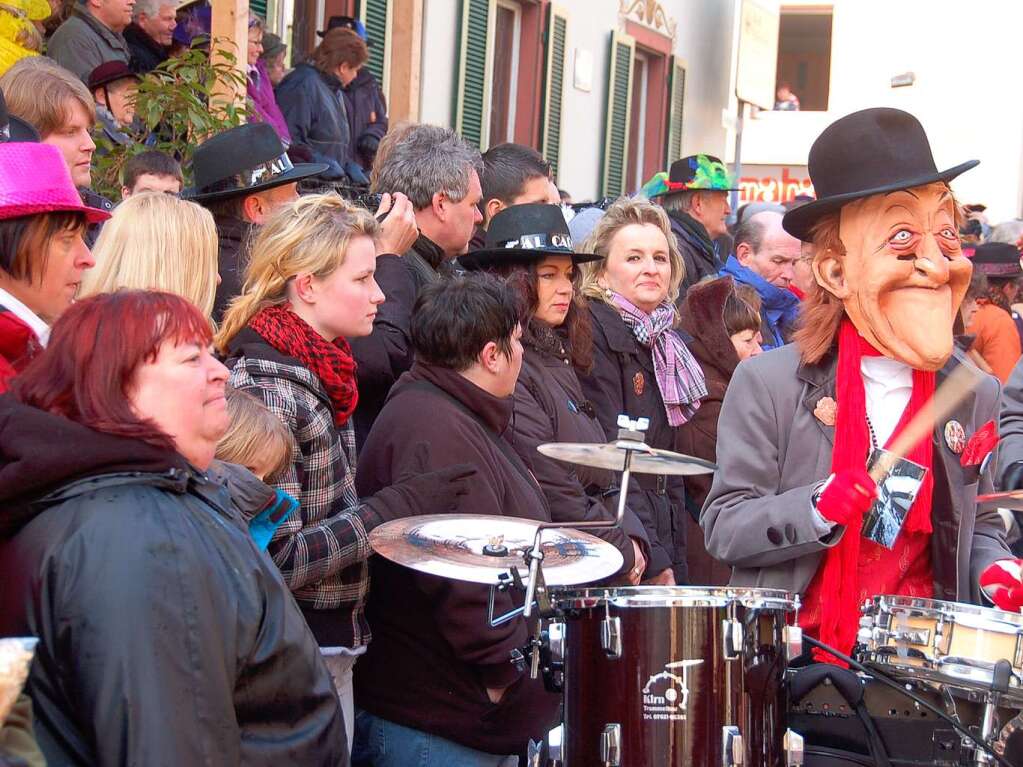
647,460
480,548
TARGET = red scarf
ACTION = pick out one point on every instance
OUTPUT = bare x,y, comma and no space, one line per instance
839,574
332,363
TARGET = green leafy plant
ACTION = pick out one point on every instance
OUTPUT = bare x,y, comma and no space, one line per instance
179,105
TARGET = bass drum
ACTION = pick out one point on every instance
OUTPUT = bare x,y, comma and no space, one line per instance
675,676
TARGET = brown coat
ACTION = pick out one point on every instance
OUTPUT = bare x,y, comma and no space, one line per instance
701,313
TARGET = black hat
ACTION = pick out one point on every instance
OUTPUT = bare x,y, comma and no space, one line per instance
699,172
997,259
110,72
346,22
243,160
873,151
14,128
522,234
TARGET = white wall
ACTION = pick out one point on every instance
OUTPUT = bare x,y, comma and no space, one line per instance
440,57
965,59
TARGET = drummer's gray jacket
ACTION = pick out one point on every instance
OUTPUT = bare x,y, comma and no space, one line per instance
1010,429
772,451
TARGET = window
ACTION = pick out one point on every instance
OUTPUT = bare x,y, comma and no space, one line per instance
638,121
504,85
804,55
554,88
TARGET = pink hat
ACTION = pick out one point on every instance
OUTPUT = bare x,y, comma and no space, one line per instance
34,179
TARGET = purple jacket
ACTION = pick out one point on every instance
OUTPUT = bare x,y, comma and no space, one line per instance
261,92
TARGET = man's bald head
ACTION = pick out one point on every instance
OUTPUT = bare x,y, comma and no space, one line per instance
762,246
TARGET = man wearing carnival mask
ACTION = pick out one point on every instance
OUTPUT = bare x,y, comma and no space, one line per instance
788,501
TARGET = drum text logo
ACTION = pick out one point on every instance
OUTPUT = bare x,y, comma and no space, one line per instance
666,694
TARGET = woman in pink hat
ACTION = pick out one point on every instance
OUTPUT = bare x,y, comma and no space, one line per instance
42,253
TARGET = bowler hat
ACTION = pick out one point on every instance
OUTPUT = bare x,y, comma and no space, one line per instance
523,234
242,161
35,179
346,22
997,259
110,72
873,151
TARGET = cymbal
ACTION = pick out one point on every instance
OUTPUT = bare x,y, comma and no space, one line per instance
1013,499
452,546
612,456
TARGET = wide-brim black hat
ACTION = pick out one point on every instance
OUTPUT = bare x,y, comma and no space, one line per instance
997,259
523,234
242,161
873,151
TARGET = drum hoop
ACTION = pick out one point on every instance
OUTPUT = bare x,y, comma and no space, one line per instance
676,596
956,613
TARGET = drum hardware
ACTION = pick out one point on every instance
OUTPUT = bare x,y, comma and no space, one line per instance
534,754
884,678
611,634
731,638
792,636
555,747
988,727
732,751
794,746
611,745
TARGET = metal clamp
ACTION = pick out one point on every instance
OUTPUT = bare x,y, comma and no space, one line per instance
792,636
732,751
793,745
731,636
611,745
611,636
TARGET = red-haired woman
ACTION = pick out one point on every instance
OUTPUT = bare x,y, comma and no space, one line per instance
165,637
42,251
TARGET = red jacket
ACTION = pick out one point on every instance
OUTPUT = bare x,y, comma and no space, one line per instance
18,346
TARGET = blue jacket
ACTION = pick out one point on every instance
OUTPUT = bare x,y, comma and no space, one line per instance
779,307
314,108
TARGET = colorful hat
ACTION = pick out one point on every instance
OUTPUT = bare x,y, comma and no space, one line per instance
523,234
873,151
35,179
997,259
697,172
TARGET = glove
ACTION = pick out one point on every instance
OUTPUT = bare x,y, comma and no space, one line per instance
1002,583
436,492
847,497
367,145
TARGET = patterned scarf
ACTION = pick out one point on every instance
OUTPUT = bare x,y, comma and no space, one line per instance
679,376
332,363
840,610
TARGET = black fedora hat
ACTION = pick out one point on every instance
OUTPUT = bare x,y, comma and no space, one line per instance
873,151
243,160
523,234
997,259
346,22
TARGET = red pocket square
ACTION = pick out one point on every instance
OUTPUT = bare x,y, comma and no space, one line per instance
980,445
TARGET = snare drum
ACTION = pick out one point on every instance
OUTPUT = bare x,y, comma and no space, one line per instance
955,644
673,676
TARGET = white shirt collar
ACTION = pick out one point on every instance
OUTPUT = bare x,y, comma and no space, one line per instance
26,315
886,373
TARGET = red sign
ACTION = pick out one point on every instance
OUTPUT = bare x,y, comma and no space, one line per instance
773,184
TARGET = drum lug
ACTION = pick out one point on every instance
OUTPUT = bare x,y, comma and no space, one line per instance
556,641
792,636
611,636
793,745
611,745
732,751
555,750
731,631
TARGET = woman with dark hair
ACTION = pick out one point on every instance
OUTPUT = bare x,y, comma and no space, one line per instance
311,99
723,322
165,637
641,364
557,345
42,251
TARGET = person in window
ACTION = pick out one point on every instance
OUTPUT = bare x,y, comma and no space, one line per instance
785,100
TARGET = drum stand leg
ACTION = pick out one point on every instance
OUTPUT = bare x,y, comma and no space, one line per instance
999,684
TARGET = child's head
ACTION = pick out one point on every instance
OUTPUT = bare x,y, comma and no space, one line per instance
742,321
256,438
151,171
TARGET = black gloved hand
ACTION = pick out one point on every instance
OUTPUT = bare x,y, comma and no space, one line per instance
436,492
367,145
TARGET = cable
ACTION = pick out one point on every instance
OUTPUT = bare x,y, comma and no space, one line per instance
884,679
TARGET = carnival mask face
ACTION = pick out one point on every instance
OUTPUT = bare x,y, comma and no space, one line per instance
903,275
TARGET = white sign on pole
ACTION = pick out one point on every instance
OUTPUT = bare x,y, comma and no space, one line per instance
758,52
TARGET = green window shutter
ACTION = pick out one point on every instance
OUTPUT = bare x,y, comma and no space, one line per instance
554,88
375,15
472,89
258,7
676,109
617,114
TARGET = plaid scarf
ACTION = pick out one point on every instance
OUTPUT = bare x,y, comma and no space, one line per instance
679,376
332,363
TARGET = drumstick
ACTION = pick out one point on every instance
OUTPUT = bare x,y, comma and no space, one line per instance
952,391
